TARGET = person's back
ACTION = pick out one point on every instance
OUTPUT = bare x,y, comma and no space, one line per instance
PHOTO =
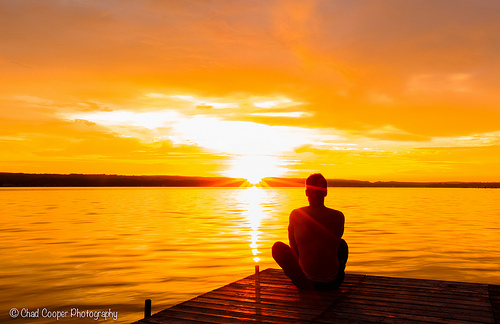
317,233
317,254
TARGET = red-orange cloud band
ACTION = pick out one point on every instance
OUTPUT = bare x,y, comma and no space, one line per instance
316,188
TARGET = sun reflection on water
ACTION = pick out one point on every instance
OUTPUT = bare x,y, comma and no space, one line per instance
252,199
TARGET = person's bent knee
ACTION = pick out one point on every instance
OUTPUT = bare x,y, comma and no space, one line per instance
279,248
343,251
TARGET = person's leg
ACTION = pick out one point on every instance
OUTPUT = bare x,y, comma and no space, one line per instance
342,255
343,252
283,255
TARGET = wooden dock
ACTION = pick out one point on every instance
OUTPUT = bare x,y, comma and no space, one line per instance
270,297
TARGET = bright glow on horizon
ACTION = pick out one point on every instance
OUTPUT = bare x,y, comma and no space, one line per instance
255,147
254,168
239,137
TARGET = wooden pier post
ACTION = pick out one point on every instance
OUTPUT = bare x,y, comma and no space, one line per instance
147,308
257,284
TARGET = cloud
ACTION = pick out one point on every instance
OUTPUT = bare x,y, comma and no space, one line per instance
391,133
204,106
282,102
150,120
455,82
92,106
203,103
292,114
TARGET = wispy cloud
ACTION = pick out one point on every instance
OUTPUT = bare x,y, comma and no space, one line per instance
292,114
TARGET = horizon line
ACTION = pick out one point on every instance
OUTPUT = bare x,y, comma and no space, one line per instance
243,179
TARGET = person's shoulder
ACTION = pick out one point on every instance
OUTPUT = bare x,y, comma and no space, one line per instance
335,212
297,212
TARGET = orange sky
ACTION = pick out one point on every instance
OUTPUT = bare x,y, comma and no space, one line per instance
369,90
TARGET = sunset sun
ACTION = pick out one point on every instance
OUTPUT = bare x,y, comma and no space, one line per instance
254,168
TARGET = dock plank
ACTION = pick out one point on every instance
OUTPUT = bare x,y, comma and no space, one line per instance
437,311
494,291
271,297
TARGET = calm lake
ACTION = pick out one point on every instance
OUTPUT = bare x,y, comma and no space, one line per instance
101,249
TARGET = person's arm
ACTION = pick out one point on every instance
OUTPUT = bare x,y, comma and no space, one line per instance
342,222
291,235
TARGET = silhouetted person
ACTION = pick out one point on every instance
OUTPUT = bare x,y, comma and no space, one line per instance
317,255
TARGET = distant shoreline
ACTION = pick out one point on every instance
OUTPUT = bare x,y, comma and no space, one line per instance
112,180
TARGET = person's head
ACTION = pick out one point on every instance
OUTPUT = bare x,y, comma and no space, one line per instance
316,189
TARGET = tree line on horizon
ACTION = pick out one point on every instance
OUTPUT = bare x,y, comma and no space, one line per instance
113,180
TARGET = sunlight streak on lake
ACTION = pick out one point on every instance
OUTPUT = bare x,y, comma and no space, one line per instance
252,199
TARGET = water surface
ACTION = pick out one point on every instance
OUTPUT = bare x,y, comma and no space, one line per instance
111,248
